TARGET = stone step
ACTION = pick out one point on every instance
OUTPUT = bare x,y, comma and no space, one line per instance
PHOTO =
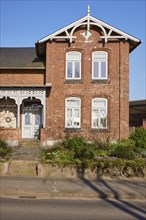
30,154
29,143
23,167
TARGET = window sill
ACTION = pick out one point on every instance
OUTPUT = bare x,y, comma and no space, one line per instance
73,81
72,130
100,81
99,130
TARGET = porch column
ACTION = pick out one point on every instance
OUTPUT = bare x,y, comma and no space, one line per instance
18,115
18,111
43,101
44,115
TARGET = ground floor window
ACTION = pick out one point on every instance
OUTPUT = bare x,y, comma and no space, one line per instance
99,113
73,112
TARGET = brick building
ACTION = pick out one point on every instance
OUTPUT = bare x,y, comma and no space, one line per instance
74,81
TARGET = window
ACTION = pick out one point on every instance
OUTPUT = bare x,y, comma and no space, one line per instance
73,65
99,113
99,65
73,112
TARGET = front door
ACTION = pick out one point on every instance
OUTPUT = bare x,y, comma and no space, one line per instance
31,120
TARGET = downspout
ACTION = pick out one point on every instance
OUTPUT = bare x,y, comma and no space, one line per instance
119,88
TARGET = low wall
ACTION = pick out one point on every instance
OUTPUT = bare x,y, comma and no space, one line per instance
72,171
10,135
33,168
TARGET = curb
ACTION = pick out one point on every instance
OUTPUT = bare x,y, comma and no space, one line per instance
20,194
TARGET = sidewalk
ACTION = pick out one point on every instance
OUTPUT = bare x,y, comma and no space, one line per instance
46,188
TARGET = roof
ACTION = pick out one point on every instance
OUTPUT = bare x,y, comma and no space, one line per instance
20,58
108,32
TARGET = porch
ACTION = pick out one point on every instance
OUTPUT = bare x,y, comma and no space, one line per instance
22,113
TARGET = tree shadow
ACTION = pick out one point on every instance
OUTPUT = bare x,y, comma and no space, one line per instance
117,202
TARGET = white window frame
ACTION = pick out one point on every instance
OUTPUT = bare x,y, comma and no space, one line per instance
99,61
73,60
100,126
72,108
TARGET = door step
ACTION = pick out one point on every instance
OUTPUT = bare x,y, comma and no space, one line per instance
29,143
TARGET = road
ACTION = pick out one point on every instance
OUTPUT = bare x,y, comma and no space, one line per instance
53,209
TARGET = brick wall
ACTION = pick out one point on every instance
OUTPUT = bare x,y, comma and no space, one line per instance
116,88
10,134
22,77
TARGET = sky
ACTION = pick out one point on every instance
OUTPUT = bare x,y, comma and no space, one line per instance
22,23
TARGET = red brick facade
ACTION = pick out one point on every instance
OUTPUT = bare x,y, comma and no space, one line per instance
115,88
22,77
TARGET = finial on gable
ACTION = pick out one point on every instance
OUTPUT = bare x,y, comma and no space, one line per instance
88,10
88,21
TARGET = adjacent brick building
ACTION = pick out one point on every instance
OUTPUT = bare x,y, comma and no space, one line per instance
75,81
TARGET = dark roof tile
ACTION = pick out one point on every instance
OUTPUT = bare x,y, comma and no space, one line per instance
20,58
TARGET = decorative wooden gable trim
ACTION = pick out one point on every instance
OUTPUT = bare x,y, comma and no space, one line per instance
88,21
67,33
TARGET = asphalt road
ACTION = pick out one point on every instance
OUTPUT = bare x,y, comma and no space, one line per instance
53,209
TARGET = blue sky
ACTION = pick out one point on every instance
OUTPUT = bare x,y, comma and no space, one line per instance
22,23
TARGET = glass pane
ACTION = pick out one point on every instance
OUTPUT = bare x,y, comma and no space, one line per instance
77,70
99,103
76,118
69,69
99,55
76,113
95,69
103,69
69,117
103,122
73,103
27,119
95,118
102,112
37,119
73,56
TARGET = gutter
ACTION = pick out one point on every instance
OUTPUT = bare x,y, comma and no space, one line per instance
27,68
48,85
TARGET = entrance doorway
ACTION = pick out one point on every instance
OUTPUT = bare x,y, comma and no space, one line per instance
31,119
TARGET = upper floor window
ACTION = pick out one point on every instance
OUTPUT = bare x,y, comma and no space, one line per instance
99,113
99,65
73,112
73,65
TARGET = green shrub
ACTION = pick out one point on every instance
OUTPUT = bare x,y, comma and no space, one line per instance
124,149
3,144
101,148
139,136
84,152
5,150
80,147
69,150
57,157
74,142
101,145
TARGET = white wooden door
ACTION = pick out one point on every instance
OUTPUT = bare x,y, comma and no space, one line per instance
31,122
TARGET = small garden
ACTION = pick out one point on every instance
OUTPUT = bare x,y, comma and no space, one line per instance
5,151
125,157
